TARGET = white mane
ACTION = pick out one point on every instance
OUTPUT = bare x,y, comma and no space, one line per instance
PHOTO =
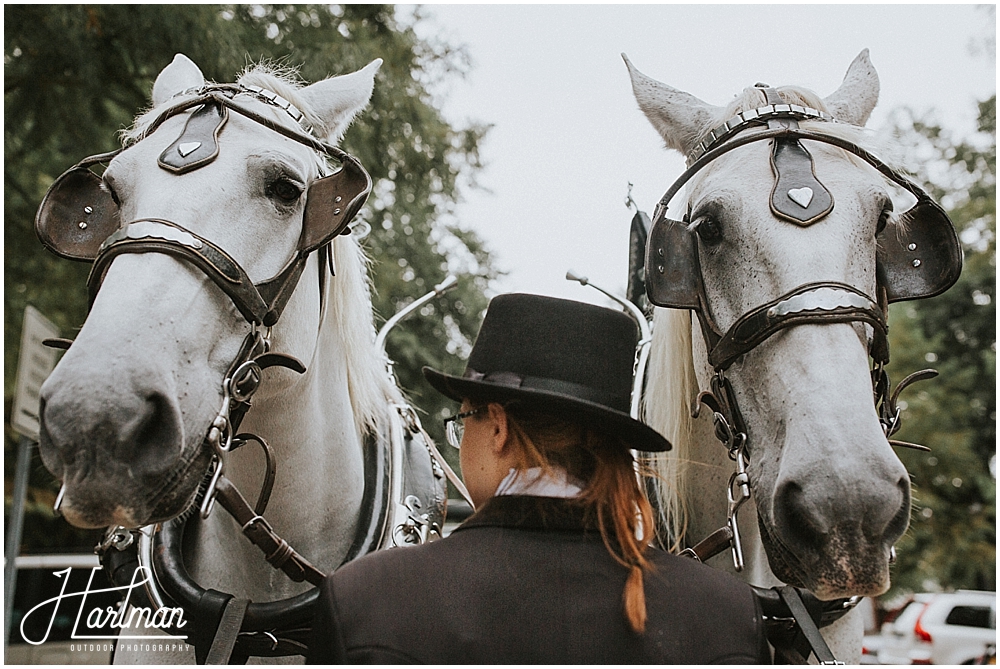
349,305
671,380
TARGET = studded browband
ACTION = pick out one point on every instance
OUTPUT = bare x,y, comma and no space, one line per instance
774,109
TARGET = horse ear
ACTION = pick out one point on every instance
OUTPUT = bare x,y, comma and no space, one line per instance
335,101
180,75
679,117
854,101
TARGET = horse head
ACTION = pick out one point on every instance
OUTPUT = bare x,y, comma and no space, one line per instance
200,228
779,247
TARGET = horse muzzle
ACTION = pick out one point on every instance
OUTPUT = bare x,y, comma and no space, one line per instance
121,455
832,538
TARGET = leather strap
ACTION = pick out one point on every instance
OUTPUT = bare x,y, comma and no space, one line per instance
798,196
818,302
198,145
276,550
229,629
158,235
710,546
807,625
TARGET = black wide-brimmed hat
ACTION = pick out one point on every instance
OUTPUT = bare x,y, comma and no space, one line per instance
573,358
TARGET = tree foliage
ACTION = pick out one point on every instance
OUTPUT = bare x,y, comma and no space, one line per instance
75,75
952,538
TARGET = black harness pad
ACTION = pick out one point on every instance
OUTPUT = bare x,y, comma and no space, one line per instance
918,253
673,273
798,196
331,204
198,145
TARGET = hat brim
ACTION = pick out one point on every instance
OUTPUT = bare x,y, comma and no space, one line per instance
636,434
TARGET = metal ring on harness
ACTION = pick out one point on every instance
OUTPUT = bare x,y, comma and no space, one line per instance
287,620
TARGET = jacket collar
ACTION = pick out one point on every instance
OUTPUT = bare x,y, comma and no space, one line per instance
531,513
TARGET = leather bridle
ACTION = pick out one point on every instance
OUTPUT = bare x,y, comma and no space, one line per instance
918,257
403,498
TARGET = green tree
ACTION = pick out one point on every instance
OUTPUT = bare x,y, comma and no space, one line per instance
75,75
952,538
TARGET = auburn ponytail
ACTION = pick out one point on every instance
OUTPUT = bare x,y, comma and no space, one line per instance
625,518
624,515
634,600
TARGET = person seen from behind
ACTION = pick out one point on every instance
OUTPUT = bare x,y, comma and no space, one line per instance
556,564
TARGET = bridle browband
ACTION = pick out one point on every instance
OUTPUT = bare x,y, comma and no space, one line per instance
919,257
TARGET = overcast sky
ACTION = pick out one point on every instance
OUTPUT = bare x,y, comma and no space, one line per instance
567,135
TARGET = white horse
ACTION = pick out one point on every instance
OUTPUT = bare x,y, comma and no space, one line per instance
127,410
831,496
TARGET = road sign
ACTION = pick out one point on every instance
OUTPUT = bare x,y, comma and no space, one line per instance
33,367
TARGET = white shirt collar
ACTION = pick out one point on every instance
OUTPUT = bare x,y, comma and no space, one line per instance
537,483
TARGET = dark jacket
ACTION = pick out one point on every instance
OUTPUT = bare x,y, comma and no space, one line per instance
525,581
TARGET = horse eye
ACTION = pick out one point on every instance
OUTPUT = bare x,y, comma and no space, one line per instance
111,191
708,229
883,218
284,190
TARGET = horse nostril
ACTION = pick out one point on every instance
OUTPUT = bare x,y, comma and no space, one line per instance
155,437
897,524
808,515
799,514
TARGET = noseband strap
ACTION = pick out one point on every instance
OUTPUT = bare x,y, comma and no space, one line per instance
818,303
148,235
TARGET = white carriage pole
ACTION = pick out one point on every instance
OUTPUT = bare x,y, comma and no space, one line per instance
643,345
34,364
449,282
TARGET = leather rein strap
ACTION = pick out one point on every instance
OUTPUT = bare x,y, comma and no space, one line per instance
276,550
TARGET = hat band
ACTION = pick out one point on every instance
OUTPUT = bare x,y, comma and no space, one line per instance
568,389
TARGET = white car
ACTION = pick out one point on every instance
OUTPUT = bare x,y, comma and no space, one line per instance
941,628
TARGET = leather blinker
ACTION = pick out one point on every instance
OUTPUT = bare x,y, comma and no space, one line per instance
673,273
77,214
331,204
918,254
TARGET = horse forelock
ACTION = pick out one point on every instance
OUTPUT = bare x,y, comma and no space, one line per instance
878,144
